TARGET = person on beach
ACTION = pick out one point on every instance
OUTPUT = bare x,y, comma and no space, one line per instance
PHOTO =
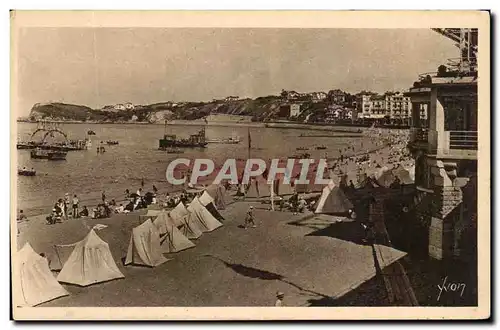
142,183
84,212
75,206
280,296
127,194
103,196
249,219
139,192
60,208
155,190
21,216
66,205
120,209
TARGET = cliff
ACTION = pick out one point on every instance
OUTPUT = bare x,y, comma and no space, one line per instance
260,109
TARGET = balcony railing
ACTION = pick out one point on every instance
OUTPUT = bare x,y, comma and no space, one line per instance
463,140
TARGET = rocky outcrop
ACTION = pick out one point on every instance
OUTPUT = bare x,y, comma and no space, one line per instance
260,109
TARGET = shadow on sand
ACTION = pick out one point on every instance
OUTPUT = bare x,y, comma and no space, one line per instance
266,276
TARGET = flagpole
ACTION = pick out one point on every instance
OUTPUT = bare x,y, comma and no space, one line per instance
249,142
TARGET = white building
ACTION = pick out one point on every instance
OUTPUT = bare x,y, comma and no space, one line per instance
294,110
129,106
398,105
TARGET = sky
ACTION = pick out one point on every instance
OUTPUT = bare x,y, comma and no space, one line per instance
102,66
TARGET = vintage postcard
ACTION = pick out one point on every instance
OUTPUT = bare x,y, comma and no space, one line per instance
250,165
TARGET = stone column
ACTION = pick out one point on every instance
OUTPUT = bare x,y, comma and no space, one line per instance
446,198
436,123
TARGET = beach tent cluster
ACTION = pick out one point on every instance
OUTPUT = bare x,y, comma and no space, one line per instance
259,188
90,261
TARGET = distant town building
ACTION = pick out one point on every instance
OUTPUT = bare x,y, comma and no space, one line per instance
294,110
398,105
364,105
231,98
316,96
120,107
129,106
337,96
392,105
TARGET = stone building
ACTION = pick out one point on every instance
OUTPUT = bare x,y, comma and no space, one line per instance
445,146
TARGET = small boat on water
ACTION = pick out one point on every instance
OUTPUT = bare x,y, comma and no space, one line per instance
90,132
175,151
230,140
26,172
320,148
112,143
302,148
48,154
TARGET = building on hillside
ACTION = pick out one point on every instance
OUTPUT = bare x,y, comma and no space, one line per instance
317,96
119,107
445,146
337,96
294,110
129,106
290,110
231,98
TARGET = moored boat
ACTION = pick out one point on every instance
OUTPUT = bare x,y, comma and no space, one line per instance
26,172
197,140
48,154
175,151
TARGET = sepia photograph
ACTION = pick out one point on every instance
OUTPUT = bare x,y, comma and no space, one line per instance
241,162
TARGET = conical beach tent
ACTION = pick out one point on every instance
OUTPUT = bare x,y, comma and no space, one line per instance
411,172
282,189
180,216
386,178
150,214
258,188
178,213
90,262
217,191
207,201
303,188
171,238
199,215
35,283
333,201
144,247
403,175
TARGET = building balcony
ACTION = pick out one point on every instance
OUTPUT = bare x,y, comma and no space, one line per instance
445,144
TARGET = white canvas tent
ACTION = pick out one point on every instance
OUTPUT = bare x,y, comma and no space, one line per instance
90,262
333,201
217,191
35,283
258,188
283,189
180,216
144,247
209,203
178,213
199,215
171,238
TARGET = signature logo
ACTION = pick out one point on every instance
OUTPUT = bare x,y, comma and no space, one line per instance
450,287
